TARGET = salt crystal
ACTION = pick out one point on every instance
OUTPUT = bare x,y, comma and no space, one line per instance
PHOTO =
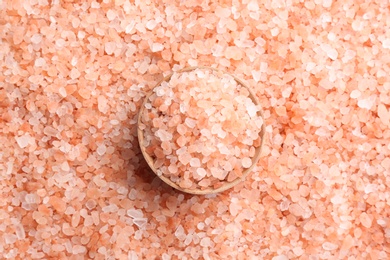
110,47
251,109
201,172
329,246
327,3
10,167
23,140
185,158
40,62
386,43
101,150
20,232
36,38
369,188
135,213
355,94
151,24
222,12
330,51
246,162
74,73
62,92
366,220
195,162
50,131
179,233
181,129
140,222
384,114
223,149
172,168
191,123
253,6
205,242
156,47
367,103
163,135
30,198
65,166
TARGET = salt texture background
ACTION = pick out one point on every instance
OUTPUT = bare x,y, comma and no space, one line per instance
73,182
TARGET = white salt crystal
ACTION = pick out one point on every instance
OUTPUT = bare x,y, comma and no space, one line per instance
40,62
110,47
253,6
287,92
10,167
157,47
130,26
246,162
201,172
151,24
65,166
330,51
256,74
332,54
135,213
20,232
111,15
140,222
222,12
191,123
23,140
36,38
329,246
386,43
172,168
205,242
370,188
251,109
195,162
310,66
62,92
30,198
228,166
223,149
327,3
355,93
179,233
181,150
101,149
164,135
337,199
367,103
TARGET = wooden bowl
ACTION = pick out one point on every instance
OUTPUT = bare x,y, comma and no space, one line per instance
227,184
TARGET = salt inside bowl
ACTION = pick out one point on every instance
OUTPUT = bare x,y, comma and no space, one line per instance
201,130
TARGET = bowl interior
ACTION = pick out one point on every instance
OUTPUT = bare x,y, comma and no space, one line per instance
226,185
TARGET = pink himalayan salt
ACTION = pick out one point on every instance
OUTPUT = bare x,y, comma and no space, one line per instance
359,72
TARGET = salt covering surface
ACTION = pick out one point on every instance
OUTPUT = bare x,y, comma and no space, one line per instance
74,185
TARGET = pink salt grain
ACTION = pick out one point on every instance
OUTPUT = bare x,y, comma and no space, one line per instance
246,162
366,220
